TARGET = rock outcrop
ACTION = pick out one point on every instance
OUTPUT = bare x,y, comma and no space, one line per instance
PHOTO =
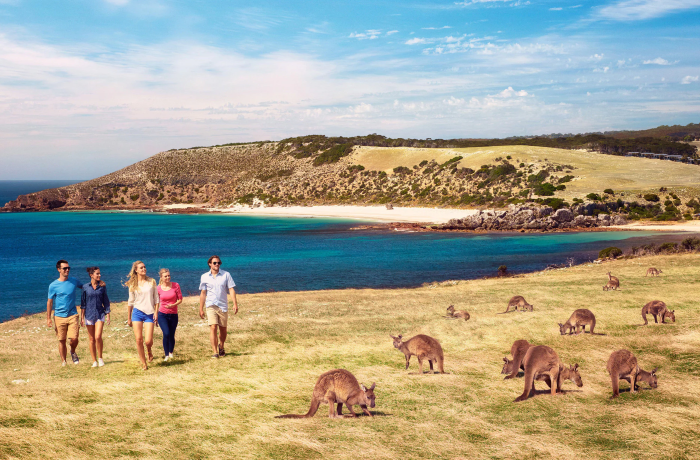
542,218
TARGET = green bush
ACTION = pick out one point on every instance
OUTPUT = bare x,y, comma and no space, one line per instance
593,197
451,160
691,243
609,191
134,197
524,193
333,154
651,197
668,247
545,189
402,170
611,252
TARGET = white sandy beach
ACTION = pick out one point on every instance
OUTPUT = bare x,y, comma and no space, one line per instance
364,213
683,226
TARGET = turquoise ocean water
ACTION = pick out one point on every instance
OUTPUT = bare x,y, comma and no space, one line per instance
265,253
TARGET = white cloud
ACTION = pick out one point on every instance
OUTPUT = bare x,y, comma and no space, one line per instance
634,10
689,79
367,35
659,61
117,2
436,28
392,32
415,41
556,9
510,92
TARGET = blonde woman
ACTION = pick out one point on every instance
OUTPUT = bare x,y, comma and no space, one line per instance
143,308
170,297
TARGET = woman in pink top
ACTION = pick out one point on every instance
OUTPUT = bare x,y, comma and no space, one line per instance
170,297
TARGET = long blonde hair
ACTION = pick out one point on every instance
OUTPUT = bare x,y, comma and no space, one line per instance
132,279
160,275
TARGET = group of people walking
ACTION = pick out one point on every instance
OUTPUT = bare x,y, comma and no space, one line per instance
149,304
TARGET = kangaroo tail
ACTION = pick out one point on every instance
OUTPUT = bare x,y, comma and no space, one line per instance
529,383
644,317
312,411
505,311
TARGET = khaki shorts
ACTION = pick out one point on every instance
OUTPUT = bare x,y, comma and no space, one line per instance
216,317
66,327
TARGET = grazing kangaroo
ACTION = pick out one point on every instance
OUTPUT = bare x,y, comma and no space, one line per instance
578,319
512,367
653,272
518,301
658,309
456,314
613,283
540,360
338,387
622,365
423,347
565,373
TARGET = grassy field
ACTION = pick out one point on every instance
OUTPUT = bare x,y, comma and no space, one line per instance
198,407
595,172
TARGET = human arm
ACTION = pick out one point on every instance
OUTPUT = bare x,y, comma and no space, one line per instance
83,304
107,305
156,303
202,299
232,293
178,294
130,305
49,307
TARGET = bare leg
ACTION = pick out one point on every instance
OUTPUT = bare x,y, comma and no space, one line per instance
212,338
138,333
62,349
148,333
98,337
223,332
73,344
91,340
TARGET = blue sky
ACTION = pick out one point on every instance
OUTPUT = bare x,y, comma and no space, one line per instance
90,86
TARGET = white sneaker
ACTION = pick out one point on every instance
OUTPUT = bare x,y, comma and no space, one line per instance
170,356
63,363
100,362
94,364
166,358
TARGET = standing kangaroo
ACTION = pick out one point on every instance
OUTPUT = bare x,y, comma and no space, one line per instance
578,319
338,387
622,365
658,309
423,347
512,367
540,360
613,283
518,301
653,272
456,314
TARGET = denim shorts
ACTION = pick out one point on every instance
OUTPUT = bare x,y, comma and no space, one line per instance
138,315
92,323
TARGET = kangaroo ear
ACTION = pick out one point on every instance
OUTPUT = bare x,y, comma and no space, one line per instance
392,337
364,388
654,371
373,385
505,360
560,324
400,336
575,366
673,311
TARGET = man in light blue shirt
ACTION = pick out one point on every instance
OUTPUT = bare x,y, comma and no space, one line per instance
61,299
215,285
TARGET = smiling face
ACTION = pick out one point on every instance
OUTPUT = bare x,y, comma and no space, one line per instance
96,276
64,270
141,269
165,276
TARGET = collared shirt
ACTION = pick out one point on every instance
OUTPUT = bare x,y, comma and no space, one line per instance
94,301
63,295
217,287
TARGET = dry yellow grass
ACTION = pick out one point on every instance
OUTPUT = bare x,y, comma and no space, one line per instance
198,407
595,172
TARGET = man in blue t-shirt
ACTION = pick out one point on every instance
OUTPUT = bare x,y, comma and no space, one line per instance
62,301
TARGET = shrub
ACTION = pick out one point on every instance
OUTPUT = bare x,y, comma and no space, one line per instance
611,252
134,197
502,270
423,163
524,193
333,154
402,170
565,179
451,160
691,243
555,203
545,189
593,197
561,187
668,247
609,191
651,197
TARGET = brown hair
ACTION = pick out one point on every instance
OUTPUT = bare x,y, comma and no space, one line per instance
214,257
91,270
58,264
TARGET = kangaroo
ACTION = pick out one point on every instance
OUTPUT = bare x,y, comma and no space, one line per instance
565,373
653,272
338,387
518,301
456,314
613,283
622,365
512,367
423,347
658,309
540,360
578,319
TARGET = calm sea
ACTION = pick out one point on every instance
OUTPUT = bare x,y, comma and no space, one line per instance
11,189
264,253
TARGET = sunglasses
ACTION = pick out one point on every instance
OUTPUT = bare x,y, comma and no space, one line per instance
65,268
216,263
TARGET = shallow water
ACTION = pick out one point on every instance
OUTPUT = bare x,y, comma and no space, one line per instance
266,253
